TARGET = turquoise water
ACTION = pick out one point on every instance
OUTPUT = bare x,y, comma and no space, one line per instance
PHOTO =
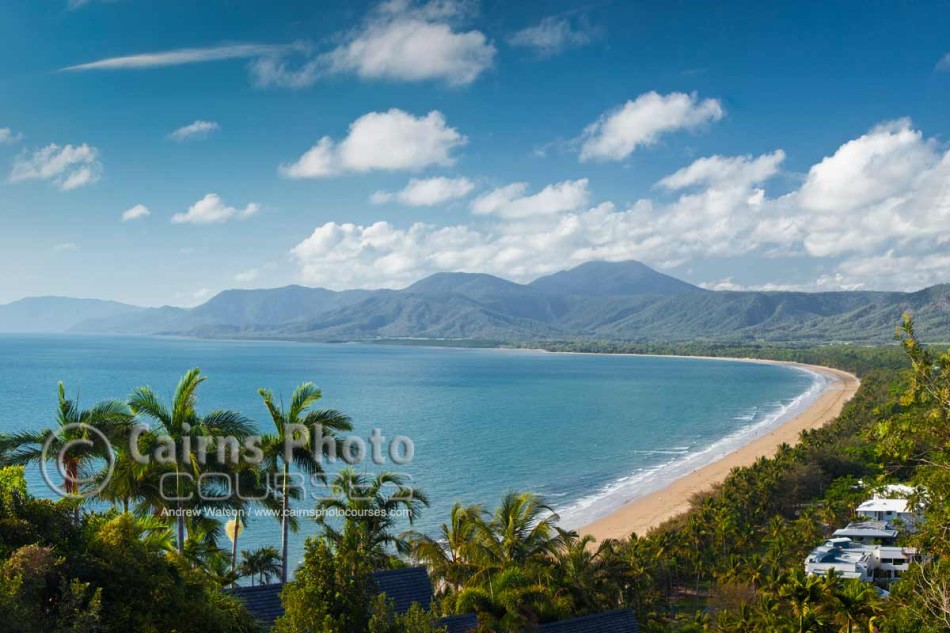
586,431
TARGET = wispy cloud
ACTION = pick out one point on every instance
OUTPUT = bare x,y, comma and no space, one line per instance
67,167
399,40
65,247
180,57
426,192
553,35
78,4
512,202
212,210
642,121
194,131
135,213
944,63
247,276
8,136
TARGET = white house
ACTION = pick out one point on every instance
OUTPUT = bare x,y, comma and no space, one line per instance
890,506
891,561
859,560
866,549
847,558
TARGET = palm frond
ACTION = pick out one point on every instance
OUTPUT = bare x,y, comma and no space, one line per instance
144,401
225,422
304,396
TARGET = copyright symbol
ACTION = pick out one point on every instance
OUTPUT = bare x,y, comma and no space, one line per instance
77,441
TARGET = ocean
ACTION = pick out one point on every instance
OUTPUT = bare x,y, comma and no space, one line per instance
585,431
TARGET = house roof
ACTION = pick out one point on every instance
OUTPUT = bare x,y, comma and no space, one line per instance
402,586
405,586
883,505
618,621
867,529
464,623
263,601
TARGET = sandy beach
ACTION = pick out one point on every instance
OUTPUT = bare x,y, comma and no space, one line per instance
643,513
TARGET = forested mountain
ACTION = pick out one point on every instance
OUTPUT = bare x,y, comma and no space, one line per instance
624,301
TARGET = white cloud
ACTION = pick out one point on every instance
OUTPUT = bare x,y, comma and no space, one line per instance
194,131
870,169
65,247
717,170
247,275
399,41
890,270
180,57
67,166
552,35
641,122
8,137
510,202
135,213
730,285
427,192
944,63
392,140
880,222
212,210
201,294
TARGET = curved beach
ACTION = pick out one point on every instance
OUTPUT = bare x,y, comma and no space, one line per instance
642,513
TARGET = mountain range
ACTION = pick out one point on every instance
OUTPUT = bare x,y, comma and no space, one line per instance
624,301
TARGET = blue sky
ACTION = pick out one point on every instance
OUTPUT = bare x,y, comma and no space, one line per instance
735,145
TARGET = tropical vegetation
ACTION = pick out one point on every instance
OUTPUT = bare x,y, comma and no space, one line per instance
732,563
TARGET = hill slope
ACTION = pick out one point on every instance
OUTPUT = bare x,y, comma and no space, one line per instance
619,301
57,314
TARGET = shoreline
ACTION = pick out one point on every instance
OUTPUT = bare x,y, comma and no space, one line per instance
640,514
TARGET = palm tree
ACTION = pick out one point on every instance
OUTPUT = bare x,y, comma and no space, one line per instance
805,595
78,427
370,512
523,528
514,601
328,422
449,558
590,575
178,423
263,562
856,602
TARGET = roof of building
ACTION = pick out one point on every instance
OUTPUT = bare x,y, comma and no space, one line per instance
883,505
619,621
263,601
405,586
402,586
867,529
839,550
460,623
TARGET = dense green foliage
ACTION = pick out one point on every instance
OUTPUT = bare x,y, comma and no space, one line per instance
334,592
856,359
100,573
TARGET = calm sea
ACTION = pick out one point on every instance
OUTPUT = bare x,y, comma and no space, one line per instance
586,431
